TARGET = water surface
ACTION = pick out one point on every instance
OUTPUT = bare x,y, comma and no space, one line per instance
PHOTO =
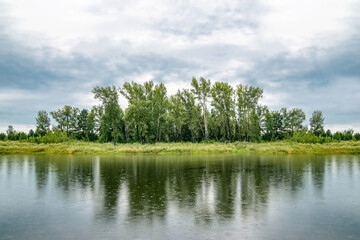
180,197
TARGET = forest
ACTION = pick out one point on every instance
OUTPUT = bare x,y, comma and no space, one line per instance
208,112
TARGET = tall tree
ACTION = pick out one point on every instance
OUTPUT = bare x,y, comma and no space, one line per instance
296,118
42,123
269,134
11,133
222,101
317,123
137,113
202,91
66,118
176,115
192,114
81,126
113,113
160,105
247,100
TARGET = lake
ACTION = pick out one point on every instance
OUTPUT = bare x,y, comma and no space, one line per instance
180,197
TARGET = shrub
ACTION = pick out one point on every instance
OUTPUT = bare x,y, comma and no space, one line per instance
22,136
2,136
337,136
55,137
357,136
347,135
302,136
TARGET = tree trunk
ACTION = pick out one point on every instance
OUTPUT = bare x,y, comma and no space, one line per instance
157,129
205,122
114,132
229,131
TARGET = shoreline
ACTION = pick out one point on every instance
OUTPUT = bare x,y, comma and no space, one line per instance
280,147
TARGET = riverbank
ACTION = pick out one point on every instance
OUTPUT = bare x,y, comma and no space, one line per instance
78,147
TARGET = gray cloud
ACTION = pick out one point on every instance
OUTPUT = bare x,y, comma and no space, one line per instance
222,42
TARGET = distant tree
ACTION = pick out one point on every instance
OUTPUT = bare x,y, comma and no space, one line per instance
269,134
317,123
31,133
138,112
11,133
81,125
201,89
91,123
2,136
66,118
337,136
159,107
296,117
22,136
357,136
223,103
348,134
192,114
42,123
113,113
247,100
176,116
328,133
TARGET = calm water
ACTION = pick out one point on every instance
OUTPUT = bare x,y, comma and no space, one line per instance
180,197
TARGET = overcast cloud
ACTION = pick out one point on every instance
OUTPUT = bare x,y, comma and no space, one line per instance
303,54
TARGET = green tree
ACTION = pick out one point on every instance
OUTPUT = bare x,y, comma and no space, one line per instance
66,118
31,133
91,123
81,125
42,123
296,117
137,114
11,133
202,91
222,101
112,111
192,114
247,100
176,116
2,136
160,105
269,134
317,123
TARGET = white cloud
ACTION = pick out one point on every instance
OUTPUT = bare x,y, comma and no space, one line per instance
17,127
307,23
219,40
9,96
341,127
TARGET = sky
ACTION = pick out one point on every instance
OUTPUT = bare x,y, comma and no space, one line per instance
303,54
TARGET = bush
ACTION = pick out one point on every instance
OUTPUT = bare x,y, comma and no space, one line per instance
51,137
337,136
2,136
301,136
22,136
357,136
348,135
54,137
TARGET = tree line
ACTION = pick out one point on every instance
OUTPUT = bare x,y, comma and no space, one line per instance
206,112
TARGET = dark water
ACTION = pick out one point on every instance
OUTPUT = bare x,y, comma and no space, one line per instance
180,197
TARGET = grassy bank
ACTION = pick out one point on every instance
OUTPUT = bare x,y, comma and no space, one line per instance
16,147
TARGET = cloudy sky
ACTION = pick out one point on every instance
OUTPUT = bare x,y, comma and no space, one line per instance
303,54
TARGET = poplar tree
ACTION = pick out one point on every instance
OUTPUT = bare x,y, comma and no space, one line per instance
112,111
66,118
317,123
42,123
202,91
222,101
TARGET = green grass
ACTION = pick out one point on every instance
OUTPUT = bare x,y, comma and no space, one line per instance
78,147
